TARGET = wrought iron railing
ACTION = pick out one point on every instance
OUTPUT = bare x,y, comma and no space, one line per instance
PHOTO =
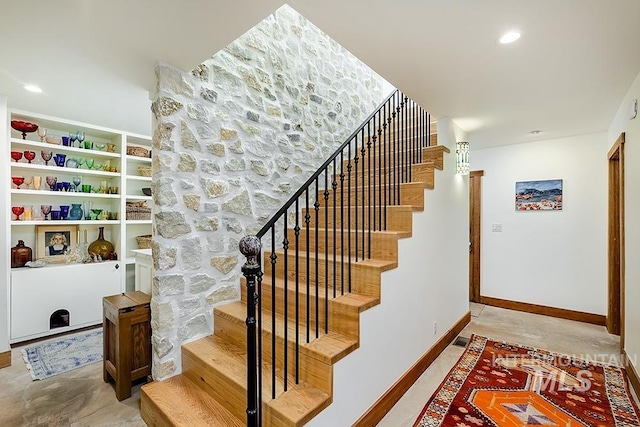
368,168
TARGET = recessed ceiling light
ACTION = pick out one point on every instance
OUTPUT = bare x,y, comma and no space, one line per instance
32,88
535,132
509,37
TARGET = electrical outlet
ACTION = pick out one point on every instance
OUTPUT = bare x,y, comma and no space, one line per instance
496,228
435,328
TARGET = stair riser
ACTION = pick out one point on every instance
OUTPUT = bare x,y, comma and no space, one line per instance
365,279
421,172
343,318
398,219
383,246
150,412
410,194
382,160
232,395
437,157
396,156
312,371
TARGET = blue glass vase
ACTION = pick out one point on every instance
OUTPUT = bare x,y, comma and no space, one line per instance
76,211
64,211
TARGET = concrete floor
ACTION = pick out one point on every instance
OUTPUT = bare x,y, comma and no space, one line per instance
577,339
81,398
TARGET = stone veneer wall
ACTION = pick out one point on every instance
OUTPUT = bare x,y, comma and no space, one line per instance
233,140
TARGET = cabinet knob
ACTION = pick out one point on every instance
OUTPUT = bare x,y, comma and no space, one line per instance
117,266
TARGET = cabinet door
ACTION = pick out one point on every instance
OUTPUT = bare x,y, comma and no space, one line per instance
36,293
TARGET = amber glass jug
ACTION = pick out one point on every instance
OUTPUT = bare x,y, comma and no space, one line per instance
101,247
20,255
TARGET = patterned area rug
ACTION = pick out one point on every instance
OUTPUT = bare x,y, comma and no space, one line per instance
500,384
54,357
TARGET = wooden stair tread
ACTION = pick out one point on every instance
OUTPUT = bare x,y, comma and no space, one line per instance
411,208
328,348
359,301
399,234
183,403
383,265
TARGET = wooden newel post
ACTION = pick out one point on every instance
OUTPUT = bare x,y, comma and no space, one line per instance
250,248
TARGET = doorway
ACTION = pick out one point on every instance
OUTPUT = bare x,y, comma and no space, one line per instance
475,225
615,303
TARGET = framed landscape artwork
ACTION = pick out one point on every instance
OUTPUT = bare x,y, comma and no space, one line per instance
539,195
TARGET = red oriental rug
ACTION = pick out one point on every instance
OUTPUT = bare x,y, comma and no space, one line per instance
500,384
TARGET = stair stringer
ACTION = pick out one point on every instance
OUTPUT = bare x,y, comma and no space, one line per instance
430,284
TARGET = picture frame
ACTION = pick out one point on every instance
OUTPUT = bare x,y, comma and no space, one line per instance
53,241
539,195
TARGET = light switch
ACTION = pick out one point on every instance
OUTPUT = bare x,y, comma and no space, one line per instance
496,228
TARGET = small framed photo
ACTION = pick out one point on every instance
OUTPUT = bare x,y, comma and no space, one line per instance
55,240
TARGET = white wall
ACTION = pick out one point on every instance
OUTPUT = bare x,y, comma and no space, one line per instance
550,258
430,285
631,128
5,262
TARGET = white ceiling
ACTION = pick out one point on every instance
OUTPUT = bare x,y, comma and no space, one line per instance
566,76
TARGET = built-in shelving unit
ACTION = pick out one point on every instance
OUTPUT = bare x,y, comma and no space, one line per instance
102,163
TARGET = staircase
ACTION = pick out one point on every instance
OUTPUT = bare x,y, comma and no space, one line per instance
323,255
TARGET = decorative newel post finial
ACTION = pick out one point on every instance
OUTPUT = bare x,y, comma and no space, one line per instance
250,247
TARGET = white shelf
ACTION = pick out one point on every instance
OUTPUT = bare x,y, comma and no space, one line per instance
41,193
129,197
60,169
139,178
39,146
66,222
138,159
137,221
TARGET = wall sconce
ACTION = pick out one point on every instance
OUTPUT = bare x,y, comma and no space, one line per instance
462,158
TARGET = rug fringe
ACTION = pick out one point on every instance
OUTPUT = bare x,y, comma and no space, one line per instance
26,361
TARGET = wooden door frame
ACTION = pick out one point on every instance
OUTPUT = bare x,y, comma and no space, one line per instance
615,251
475,227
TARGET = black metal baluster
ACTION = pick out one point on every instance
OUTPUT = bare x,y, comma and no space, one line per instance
349,212
355,161
393,149
296,231
316,206
428,130
326,246
396,107
373,183
384,166
364,187
259,353
380,170
307,220
421,132
273,258
285,303
369,187
334,186
341,222
392,157
407,152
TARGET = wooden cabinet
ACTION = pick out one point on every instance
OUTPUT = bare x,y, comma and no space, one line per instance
102,164
127,340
